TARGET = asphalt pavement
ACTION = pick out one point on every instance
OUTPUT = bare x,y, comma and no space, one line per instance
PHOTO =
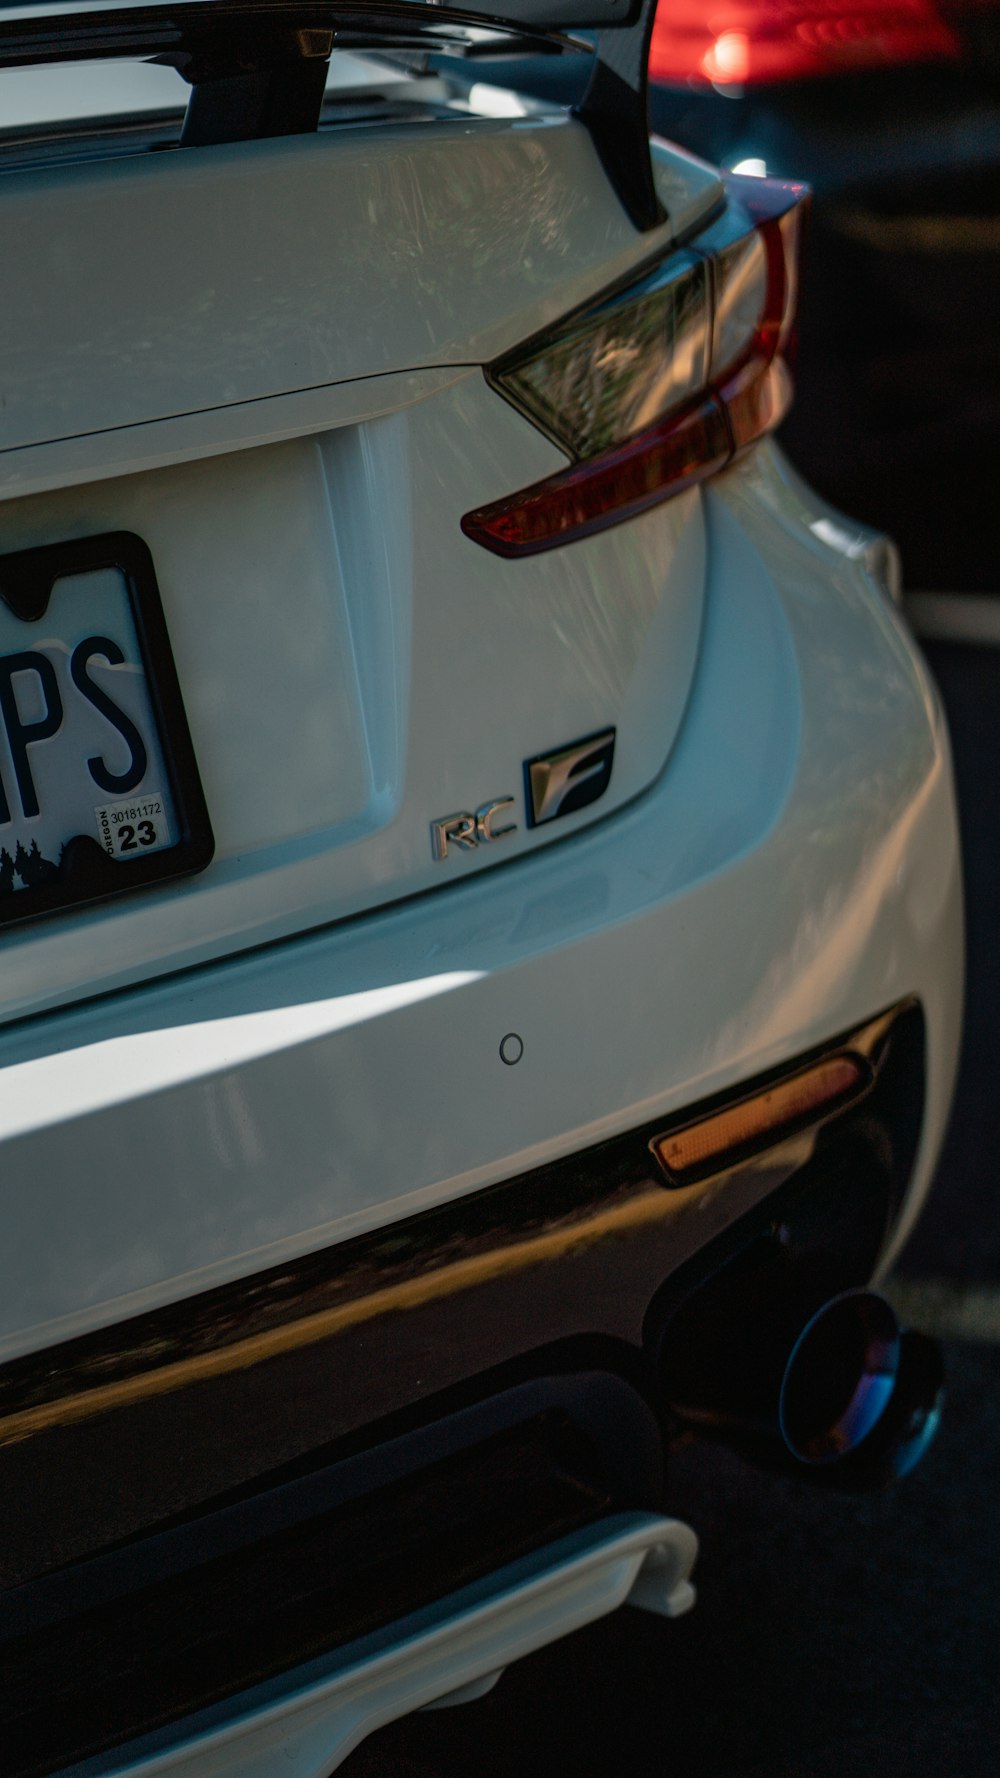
835,1636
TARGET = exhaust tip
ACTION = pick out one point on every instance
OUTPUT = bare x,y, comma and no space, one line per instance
861,1393
840,1377
850,1398
910,1422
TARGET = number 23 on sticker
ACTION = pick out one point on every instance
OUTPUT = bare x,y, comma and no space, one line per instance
136,827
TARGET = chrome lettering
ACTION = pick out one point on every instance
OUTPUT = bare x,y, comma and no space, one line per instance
469,830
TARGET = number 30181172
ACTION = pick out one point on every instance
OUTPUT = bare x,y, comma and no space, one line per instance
132,828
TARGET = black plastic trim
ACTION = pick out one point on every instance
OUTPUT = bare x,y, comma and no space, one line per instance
616,111
216,36
315,1560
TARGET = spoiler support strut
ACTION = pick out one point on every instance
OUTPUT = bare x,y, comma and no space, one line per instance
241,90
258,67
615,110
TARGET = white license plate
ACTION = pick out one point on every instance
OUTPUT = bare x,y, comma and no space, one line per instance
99,788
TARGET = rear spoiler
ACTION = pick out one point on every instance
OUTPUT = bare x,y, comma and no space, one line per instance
258,67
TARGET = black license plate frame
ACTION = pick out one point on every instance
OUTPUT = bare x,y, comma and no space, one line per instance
86,873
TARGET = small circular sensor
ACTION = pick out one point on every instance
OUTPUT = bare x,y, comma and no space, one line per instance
511,1049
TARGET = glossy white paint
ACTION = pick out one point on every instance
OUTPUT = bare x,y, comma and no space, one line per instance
354,668
57,94
321,258
793,870
63,93
308,1721
294,418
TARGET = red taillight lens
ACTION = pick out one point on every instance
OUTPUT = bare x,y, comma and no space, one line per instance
660,386
591,496
747,42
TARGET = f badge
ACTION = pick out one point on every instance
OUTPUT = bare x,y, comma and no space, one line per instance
557,783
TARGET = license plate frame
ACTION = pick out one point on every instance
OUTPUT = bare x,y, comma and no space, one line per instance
86,873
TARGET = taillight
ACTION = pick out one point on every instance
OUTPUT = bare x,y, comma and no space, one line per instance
662,384
745,42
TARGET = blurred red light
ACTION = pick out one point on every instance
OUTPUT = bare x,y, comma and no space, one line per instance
752,42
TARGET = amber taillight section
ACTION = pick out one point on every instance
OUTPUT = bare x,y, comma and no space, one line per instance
716,1141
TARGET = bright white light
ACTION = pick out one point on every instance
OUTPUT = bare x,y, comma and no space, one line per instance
495,101
727,63
846,543
113,1070
755,167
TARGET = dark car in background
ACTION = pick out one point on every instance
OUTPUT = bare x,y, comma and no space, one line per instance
891,110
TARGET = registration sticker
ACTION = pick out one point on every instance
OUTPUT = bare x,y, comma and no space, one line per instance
133,827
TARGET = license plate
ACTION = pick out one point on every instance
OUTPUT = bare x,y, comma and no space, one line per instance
99,788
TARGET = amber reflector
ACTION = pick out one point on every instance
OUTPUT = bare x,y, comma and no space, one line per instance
715,1142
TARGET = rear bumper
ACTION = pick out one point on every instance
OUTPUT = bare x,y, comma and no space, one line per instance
480,1386
793,872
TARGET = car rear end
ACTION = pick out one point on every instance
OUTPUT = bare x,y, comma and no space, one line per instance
481,900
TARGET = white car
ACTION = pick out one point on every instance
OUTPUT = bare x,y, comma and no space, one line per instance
482,921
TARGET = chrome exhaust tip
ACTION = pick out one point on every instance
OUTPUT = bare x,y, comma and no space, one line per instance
852,1398
840,1377
860,1392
